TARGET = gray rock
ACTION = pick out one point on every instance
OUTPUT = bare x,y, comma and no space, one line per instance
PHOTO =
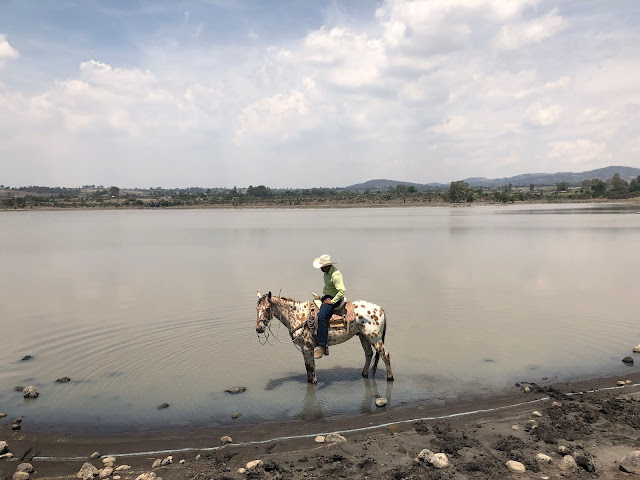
568,464
381,402
30,392
163,406
2,415
439,460
167,461
542,458
18,388
94,455
106,472
25,467
631,462
4,447
20,476
157,463
515,466
26,357
628,360
236,389
63,380
15,426
87,472
335,438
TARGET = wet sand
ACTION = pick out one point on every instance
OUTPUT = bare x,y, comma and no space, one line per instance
597,428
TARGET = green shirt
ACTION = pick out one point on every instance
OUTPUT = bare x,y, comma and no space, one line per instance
333,285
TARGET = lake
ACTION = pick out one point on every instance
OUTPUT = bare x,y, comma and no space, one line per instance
140,308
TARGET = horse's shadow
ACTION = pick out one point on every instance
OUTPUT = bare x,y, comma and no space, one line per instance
312,408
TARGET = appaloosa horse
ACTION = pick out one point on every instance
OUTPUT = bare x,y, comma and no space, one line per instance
370,326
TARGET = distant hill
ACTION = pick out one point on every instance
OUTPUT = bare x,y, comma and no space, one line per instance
538,179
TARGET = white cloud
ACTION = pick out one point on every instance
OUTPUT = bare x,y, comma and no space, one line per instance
513,36
7,52
542,115
451,125
584,153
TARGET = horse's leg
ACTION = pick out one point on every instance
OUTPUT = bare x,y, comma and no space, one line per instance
382,351
368,354
310,365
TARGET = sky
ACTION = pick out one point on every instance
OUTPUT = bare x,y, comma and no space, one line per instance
314,93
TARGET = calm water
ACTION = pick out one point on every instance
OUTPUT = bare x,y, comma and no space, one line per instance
141,308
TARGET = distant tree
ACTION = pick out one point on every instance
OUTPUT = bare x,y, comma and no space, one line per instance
617,183
531,187
458,191
562,186
114,191
598,187
259,191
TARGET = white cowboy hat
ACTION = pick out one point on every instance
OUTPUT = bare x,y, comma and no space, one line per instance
322,261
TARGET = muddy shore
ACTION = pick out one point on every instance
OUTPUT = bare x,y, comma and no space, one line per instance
594,421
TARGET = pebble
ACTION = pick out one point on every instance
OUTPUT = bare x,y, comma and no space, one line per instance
15,426
253,464
536,413
439,460
106,472
94,455
157,463
164,405
123,467
167,461
527,389
226,439
236,389
636,349
424,455
6,456
2,415
562,450
568,463
109,461
627,381
556,404
146,476
542,458
25,467
242,471
515,466
381,402
628,360
30,392
320,439
621,383
63,380
20,476
515,427
198,457
335,438
181,462
26,357
4,447
235,415
116,477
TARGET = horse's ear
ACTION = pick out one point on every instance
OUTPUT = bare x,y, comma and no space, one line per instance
269,296
259,295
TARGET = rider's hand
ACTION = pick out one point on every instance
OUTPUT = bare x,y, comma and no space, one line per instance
328,300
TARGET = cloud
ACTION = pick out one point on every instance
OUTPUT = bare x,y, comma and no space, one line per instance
520,34
539,115
7,52
450,126
579,152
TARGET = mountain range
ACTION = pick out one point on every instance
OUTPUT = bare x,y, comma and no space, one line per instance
526,179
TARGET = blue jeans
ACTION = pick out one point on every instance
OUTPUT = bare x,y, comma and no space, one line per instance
326,310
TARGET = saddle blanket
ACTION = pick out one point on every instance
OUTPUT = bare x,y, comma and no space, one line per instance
344,317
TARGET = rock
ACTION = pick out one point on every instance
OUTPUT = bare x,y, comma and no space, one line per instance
439,460
167,461
63,380
381,402
25,467
242,471
235,415
116,477
15,426
628,360
106,460
335,438
236,389
20,476
425,455
30,392
94,455
527,389
620,383
556,404
2,415
26,357
536,413
515,466
4,447
562,450
636,349
198,456
181,462
542,458
253,464
568,464
146,476
17,421
19,388
123,467
87,472
226,439
627,381
6,456
163,406
320,439
157,463
105,472
515,427
631,462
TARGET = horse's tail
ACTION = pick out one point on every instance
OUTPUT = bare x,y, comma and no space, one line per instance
375,362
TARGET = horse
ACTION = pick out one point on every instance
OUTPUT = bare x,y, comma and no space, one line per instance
370,327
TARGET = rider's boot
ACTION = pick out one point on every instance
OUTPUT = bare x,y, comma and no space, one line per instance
319,353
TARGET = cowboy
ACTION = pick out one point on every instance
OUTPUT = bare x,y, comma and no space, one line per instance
333,297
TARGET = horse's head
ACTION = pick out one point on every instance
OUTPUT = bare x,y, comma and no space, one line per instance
265,312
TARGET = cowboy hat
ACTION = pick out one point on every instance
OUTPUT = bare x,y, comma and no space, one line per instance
323,261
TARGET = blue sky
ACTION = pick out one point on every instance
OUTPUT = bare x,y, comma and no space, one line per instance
314,93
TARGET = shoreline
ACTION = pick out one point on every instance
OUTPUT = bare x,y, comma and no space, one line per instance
317,206
474,426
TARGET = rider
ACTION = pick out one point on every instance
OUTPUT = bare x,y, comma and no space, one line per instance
333,295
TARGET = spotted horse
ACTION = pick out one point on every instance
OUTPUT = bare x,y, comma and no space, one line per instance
298,317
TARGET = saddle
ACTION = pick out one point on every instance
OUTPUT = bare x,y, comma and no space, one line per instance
343,317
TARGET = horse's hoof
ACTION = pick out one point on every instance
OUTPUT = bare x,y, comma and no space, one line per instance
365,375
389,379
